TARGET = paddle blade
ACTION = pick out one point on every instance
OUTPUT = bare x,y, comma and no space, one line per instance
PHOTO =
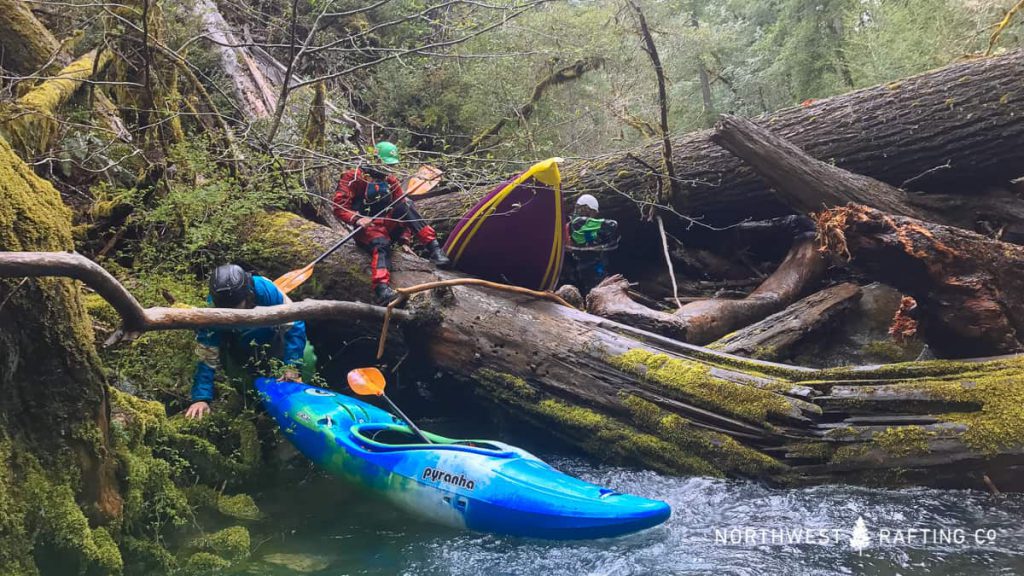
291,280
367,381
424,180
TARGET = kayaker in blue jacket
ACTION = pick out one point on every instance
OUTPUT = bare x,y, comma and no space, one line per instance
244,350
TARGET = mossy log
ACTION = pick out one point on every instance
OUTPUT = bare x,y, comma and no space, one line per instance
705,321
628,395
966,286
774,337
27,46
952,130
31,123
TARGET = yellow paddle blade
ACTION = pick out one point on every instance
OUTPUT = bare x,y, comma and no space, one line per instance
424,180
291,280
367,381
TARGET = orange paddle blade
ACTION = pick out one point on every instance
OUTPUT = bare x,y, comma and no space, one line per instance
291,280
367,381
424,180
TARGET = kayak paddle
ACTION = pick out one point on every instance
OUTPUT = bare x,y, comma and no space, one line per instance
370,382
291,280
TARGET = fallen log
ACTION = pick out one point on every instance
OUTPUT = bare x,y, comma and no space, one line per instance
808,185
705,321
966,285
629,395
774,337
30,124
254,91
27,46
950,130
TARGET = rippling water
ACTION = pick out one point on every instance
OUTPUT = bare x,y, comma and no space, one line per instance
346,536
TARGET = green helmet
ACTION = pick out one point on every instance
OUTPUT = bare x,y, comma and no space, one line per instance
387,152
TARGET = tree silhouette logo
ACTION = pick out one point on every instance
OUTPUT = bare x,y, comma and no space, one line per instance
859,539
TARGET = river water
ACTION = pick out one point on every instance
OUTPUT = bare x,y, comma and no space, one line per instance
716,528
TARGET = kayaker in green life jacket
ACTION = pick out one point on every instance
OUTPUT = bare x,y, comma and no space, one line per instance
250,351
590,240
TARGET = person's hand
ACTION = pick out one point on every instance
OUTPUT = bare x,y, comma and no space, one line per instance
364,222
197,410
291,375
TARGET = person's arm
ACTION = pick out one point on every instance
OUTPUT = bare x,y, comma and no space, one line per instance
344,197
609,231
208,351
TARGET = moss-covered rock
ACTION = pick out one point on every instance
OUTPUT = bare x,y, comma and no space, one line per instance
232,543
205,564
239,506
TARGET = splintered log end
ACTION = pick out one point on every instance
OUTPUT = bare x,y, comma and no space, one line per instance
962,281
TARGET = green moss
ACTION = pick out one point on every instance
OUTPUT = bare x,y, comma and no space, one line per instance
514,384
885,349
239,506
108,555
232,543
902,441
811,450
205,564
693,381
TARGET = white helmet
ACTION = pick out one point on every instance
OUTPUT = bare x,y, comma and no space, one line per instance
588,201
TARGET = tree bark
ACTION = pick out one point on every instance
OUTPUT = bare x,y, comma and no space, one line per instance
30,125
808,185
965,284
28,47
774,337
704,321
253,90
905,133
54,407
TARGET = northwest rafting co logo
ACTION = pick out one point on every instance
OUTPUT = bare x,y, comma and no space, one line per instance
858,537
435,475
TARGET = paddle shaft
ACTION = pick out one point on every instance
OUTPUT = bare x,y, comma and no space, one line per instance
406,419
337,245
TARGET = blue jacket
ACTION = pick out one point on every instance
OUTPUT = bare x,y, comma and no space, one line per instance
287,341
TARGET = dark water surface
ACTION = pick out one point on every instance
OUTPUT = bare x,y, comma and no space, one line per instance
320,528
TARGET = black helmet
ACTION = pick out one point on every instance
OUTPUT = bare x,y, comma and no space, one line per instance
230,285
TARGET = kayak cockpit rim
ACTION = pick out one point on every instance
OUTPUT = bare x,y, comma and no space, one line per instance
367,434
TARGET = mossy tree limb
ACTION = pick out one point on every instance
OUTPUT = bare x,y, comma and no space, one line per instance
31,123
28,47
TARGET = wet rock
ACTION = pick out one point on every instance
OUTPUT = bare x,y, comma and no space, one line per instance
303,563
863,338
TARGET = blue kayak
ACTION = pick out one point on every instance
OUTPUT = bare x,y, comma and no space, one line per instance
479,485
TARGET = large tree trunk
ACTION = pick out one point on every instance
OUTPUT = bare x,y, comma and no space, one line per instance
626,394
255,94
31,124
54,439
952,130
28,47
808,185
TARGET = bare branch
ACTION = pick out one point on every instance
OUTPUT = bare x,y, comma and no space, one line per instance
137,319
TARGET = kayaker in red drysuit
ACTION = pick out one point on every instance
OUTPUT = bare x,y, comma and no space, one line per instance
362,193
